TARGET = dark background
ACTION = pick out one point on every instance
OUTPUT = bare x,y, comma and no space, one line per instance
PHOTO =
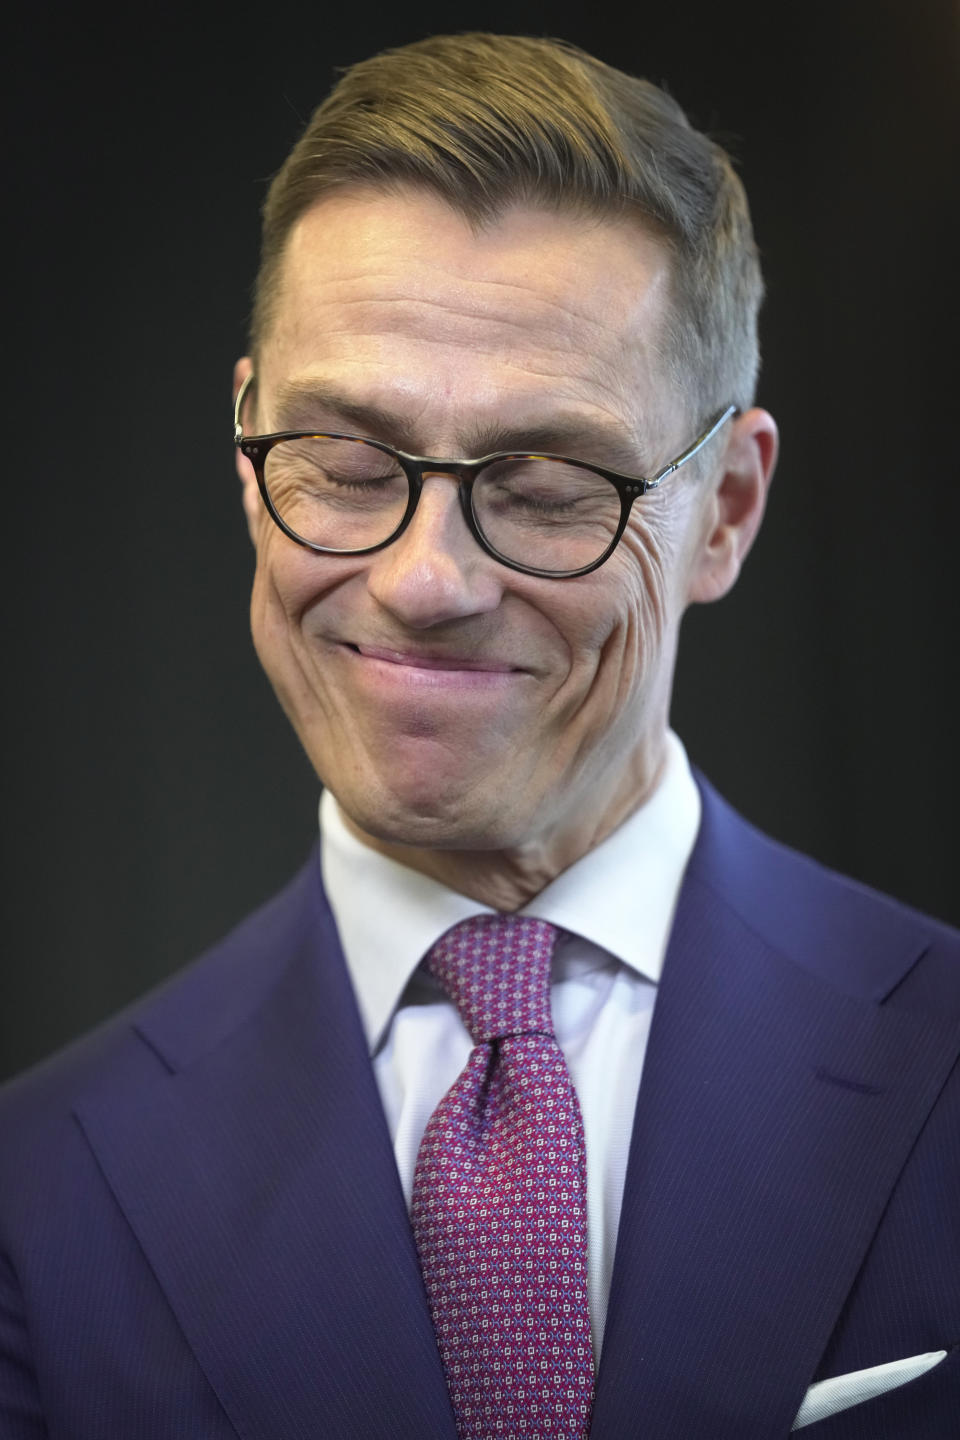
153,792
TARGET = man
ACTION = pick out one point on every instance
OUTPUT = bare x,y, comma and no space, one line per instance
382,1164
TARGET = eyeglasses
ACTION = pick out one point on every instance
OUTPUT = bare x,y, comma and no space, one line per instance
543,515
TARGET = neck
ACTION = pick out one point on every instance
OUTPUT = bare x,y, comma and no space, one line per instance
506,880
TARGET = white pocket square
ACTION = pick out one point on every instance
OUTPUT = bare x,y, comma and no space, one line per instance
840,1392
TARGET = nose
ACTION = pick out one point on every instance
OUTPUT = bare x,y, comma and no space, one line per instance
435,571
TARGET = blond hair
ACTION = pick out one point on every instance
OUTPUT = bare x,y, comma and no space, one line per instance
488,121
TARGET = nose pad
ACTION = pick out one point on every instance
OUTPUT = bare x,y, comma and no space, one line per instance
435,517
463,499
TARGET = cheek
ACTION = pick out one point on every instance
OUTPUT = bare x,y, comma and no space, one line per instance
274,641
287,582
653,550
645,559
270,607
635,614
624,627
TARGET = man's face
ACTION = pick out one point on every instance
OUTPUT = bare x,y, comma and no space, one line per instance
449,702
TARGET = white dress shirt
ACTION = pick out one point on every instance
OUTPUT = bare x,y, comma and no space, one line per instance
616,905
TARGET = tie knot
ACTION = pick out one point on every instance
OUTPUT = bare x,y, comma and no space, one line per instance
496,970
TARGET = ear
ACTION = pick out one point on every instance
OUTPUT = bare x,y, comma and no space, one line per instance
252,505
733,512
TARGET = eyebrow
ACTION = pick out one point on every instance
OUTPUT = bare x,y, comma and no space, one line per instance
301,403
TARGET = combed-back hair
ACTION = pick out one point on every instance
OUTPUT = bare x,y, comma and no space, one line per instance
490,121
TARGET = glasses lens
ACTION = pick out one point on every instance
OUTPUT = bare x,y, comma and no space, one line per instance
547,514
341,494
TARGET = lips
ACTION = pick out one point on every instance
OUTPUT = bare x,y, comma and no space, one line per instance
426,661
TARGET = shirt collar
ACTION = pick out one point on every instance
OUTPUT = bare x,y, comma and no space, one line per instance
620,896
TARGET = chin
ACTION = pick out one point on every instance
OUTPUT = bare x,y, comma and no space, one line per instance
425,793
425,816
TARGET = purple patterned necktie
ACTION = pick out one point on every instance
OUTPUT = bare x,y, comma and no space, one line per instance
499,1197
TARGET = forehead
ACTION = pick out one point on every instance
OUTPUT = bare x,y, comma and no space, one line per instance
398,301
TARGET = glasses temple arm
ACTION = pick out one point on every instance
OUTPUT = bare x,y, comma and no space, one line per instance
692,450
238,406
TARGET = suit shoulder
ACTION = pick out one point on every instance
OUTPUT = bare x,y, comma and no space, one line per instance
206,998
857,937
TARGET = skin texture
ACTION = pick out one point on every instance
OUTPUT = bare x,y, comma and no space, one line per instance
487,727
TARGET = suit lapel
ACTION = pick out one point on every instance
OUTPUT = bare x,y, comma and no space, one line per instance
774,1116
261,1184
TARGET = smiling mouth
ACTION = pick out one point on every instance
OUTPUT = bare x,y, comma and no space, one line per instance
412,660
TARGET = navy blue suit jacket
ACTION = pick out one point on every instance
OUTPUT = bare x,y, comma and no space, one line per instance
203,1235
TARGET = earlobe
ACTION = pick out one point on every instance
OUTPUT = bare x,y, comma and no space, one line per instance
736,505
